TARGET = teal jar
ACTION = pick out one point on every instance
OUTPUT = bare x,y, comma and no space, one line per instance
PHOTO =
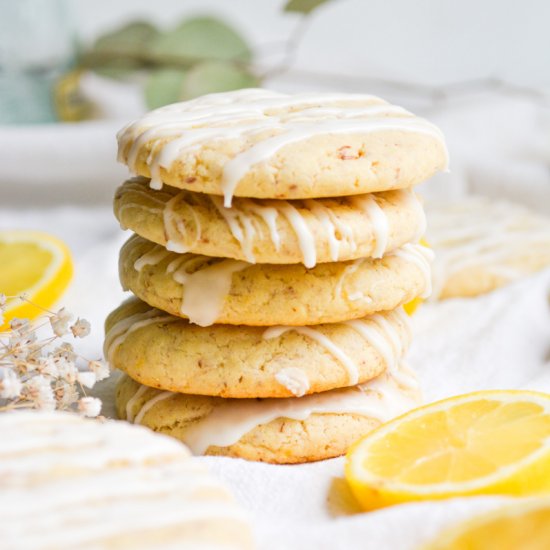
36,46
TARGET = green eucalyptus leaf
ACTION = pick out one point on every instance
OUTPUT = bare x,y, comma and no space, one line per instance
164,86
202,38
303,6
216,76
133,38
118,69
120,53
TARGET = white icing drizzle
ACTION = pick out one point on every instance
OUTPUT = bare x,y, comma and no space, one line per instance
129,205
245,217
149,404
176,233
404,320
422,257
120,331
380,399
135,187
294,380
279,119
241,164
269,215
153,257
241,225
481,232
323,214
377,331
97,478
130,416
244,227
382,335
379,222
324,341
305,237
205,289
413,202
406,377
350,270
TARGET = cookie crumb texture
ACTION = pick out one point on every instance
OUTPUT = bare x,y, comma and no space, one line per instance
265,295
262,144
239,362
260,231
280,441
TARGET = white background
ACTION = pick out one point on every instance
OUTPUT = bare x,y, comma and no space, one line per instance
426,41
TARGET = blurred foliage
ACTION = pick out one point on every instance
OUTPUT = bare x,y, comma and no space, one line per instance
202,38
200,55
303,6
68,102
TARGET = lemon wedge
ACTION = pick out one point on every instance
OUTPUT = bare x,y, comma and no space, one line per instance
35,264
412,306
525,526
489,442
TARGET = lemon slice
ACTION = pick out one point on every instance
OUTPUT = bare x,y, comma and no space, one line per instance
490,442
525,526
36,264
412,306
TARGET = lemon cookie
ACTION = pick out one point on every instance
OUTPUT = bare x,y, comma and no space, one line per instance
263,144
482,244
67,482
271,231
212,290
287,430
170,353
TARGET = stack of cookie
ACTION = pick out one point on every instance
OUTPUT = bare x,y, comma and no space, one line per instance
276,241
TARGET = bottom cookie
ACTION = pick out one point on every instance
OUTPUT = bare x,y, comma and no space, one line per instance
282,431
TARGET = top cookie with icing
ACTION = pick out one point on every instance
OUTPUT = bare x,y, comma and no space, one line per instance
262,144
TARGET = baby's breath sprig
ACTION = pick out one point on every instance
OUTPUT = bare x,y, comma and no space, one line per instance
46,373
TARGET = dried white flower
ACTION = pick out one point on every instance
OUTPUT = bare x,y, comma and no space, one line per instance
10,384
20,326
66,370
65,351
39,390
86,379
65,395
60,322
100,369
81,328
48,366
34,375
89,406
3,301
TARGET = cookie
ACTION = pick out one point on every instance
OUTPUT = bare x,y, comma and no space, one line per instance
169,353
284,431
271,231
67,482
482,244
212,290
263,144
